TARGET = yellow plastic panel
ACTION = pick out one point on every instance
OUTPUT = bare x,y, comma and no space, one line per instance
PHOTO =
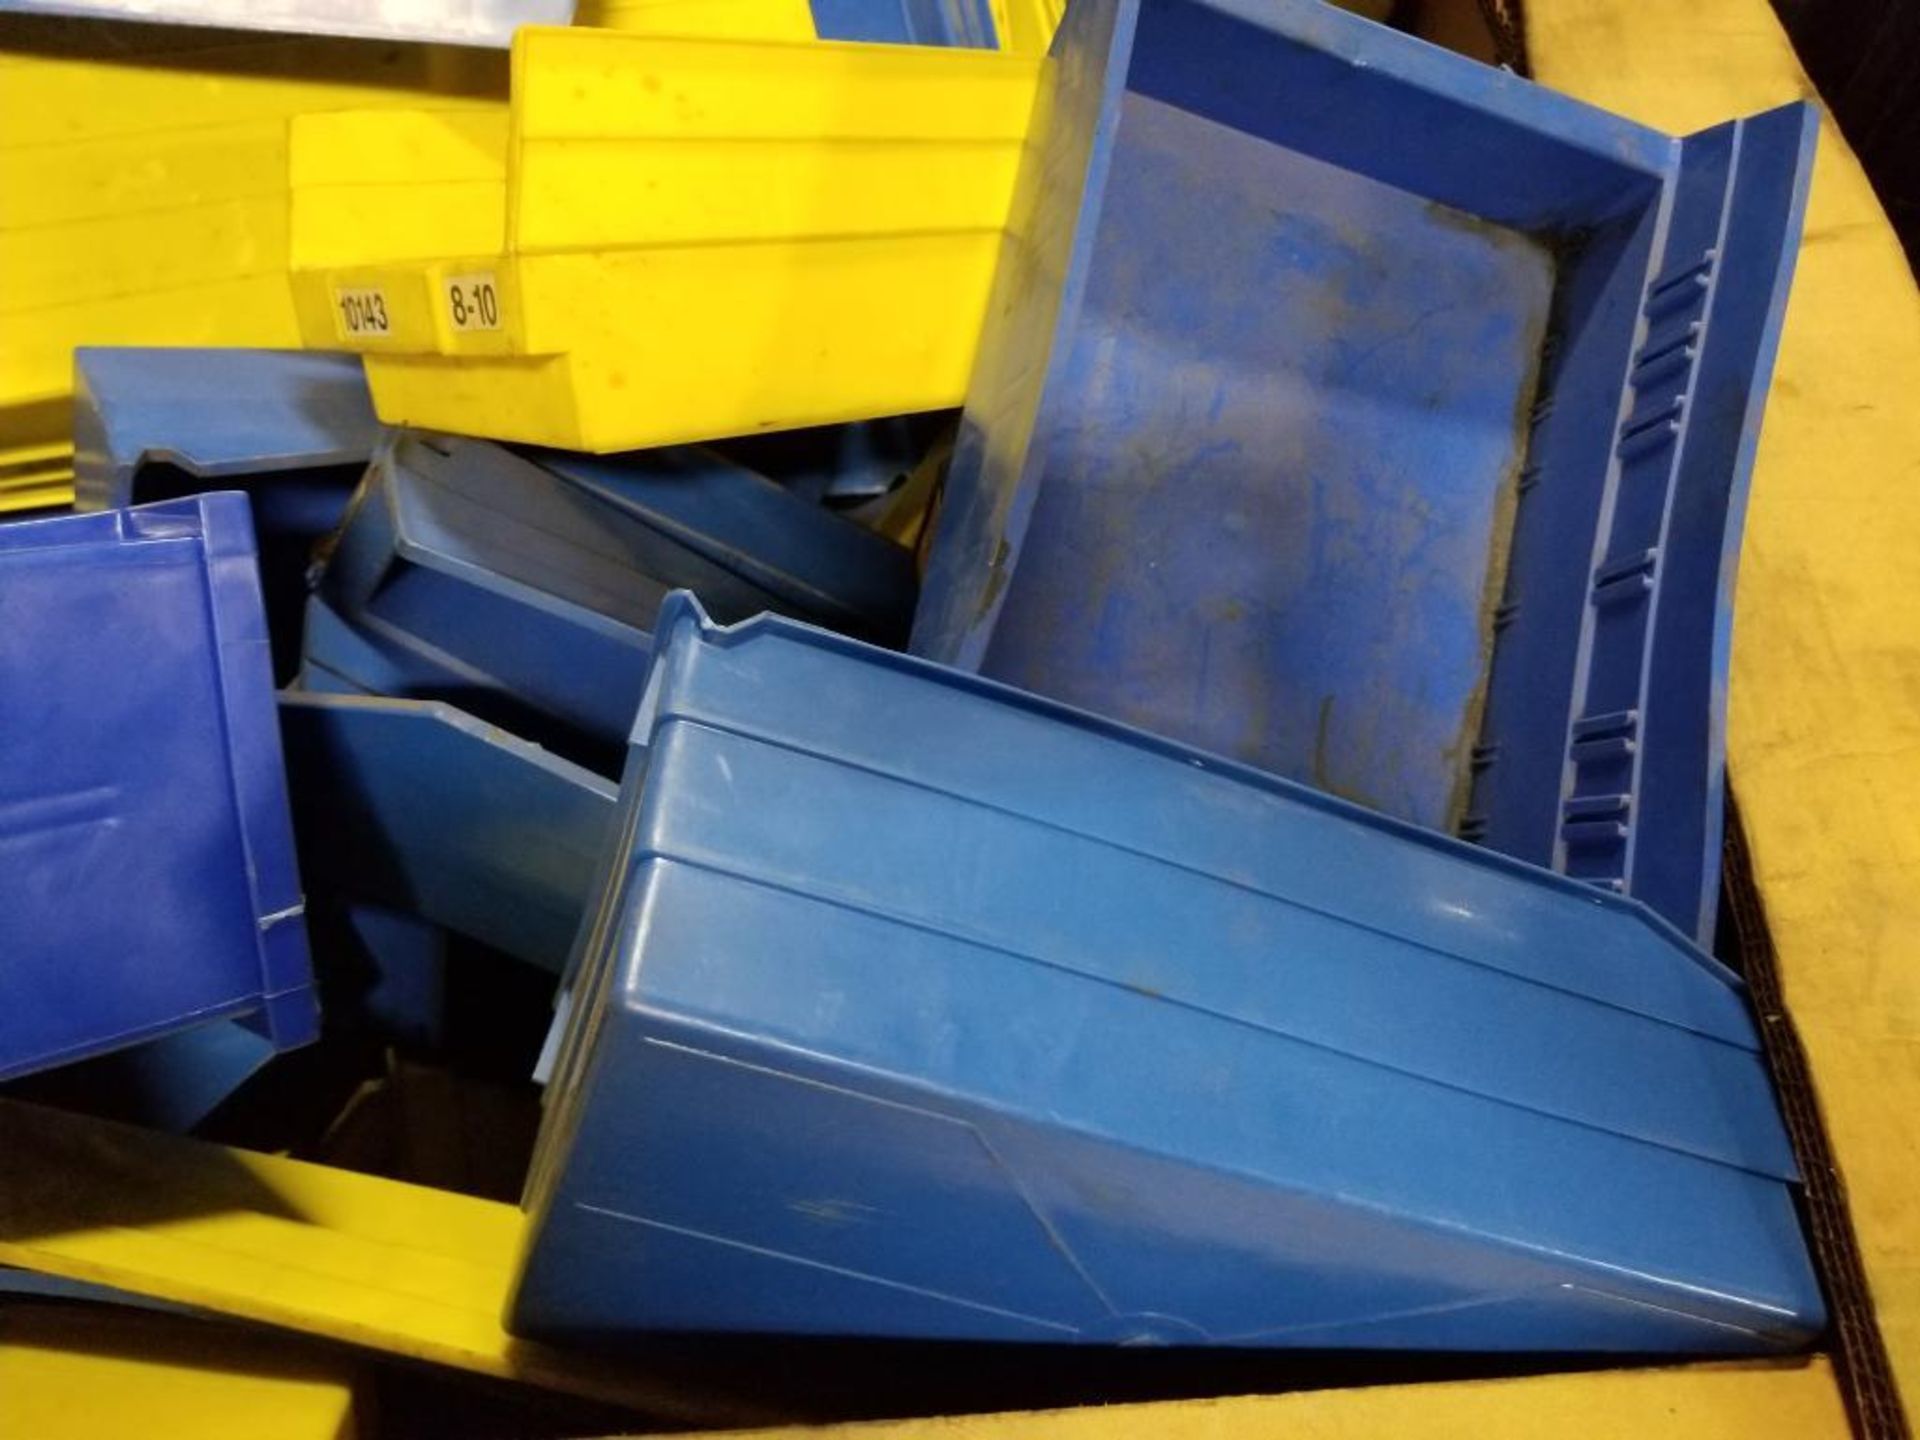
417,1272
424,1273
633,140
36,362
84,1372
1824,721
664,192
35,476
1026,27
672,345
123,175
580,84
398,147
372,186
49,268
112,88
1700,1402
529,399
729,19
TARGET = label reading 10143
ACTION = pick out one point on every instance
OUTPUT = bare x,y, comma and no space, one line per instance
362,312
473,302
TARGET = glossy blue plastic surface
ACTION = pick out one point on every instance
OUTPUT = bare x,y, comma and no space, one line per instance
416,806
995,1020
1380,419
149,881
522,587
967,23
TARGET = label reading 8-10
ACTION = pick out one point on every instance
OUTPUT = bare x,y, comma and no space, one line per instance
361,312
473,302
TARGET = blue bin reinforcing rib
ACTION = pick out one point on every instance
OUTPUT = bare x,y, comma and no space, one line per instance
149,881
913,1005
1380,419
522,587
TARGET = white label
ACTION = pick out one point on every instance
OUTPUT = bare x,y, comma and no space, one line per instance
473,302
361,312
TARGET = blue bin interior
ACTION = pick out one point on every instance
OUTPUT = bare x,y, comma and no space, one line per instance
1295,315
522,586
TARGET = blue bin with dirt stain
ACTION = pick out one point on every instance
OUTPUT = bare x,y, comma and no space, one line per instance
1380,419
912,1005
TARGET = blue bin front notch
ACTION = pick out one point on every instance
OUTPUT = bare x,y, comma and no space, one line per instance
1292,433
859,1017
293,430
149,881
233,415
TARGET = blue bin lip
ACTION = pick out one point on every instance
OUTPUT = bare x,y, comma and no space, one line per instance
213,412
1396,55
284,1009
682,611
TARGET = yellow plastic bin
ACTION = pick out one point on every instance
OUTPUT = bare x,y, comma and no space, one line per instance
143,198
698,238
372,187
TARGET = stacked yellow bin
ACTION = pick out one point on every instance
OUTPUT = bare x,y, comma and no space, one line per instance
143,199
669,239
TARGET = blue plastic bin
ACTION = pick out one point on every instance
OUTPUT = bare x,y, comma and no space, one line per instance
149,881
522,586
1381,419
293,430
413,805
914,1005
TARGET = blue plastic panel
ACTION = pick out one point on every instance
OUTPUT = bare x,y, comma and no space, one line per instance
214,414
966,23
149,880
999,1021
523,587
413,805
1293,431
170,1083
